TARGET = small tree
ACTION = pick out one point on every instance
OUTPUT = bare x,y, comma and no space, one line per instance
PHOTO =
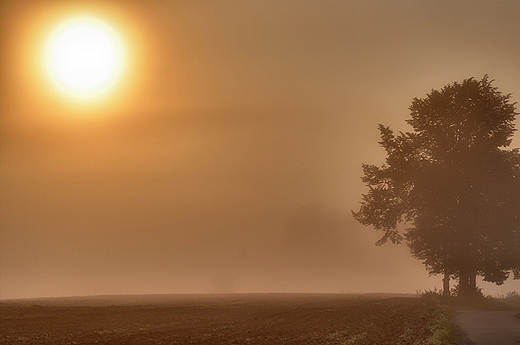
454,182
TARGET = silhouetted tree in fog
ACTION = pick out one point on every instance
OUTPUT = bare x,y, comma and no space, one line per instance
453,181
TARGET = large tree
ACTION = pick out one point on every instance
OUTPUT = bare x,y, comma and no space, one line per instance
455,184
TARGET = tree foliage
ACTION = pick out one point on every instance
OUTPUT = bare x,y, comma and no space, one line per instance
454,181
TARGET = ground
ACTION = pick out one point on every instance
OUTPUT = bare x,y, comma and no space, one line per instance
220,319
490,327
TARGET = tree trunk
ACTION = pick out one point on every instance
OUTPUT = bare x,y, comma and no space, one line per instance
463,284
473,282
446,284
467,283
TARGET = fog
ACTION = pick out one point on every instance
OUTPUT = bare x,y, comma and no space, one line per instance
232,160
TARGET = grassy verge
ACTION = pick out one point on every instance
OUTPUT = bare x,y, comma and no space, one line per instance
442,324
511,299
444,331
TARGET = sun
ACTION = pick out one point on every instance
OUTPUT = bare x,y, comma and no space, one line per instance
84,58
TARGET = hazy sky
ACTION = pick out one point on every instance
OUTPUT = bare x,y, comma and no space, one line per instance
232,158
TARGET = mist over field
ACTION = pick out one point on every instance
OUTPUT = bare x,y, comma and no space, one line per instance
232,161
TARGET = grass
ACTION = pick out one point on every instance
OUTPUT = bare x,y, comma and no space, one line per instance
444,331
442,325
511,299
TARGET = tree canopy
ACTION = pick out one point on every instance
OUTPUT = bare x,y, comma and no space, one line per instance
454,182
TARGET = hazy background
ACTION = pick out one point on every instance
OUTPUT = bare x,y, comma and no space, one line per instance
234,161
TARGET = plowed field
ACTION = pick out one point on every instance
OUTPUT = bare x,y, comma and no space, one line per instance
225,319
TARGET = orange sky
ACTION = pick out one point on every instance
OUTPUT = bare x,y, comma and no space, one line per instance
230,158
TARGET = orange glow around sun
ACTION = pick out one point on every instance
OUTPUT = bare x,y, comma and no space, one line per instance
73,58
84,58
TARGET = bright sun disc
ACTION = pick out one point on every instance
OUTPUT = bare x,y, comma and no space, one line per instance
84,58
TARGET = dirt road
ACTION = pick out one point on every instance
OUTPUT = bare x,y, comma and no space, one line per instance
484,327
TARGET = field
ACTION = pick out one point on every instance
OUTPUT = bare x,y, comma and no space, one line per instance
218,319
